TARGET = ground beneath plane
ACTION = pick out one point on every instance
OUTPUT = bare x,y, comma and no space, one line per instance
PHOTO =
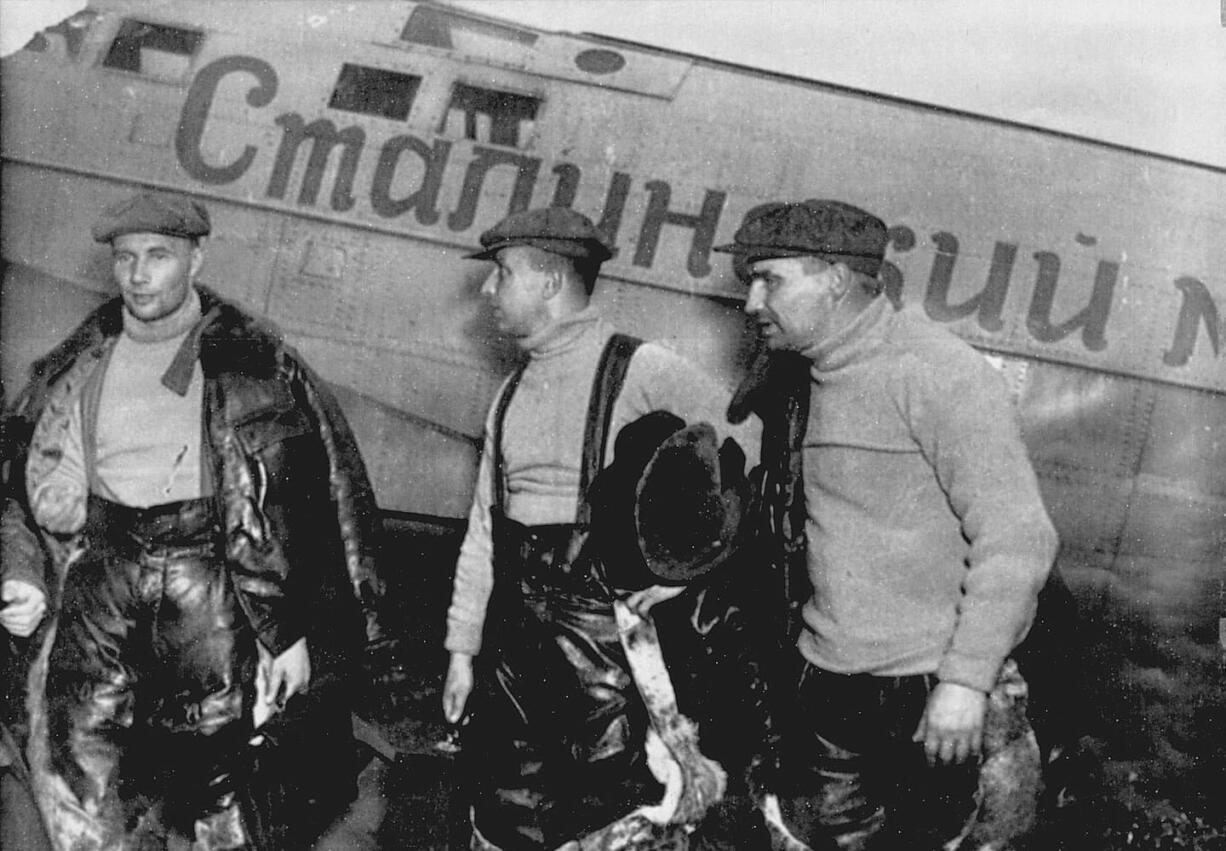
410,804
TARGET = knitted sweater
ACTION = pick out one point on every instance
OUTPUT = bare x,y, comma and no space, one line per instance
543,443
148,437
139,442
928,539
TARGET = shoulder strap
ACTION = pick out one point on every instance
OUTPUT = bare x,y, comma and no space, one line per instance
784,425
606,387
500,415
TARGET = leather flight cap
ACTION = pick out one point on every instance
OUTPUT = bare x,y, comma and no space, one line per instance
689,505
559,230
151,212
831,230
670,507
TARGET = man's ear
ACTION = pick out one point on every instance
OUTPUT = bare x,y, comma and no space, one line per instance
197,259
843,279
555,282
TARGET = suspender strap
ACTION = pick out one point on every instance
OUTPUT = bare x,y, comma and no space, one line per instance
783,454
606,387
798,410
500,416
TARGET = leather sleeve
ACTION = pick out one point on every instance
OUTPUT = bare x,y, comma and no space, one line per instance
722,649
356,511
299,510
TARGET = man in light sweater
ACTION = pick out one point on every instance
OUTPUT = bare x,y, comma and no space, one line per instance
927,539
198,495
557,732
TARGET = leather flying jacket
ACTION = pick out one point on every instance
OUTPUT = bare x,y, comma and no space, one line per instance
280,456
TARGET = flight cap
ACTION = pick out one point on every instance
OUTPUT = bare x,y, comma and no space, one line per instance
669,508
153,212
559,230
831,230
690,503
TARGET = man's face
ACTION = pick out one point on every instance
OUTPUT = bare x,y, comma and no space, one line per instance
517,290
792,299
154,272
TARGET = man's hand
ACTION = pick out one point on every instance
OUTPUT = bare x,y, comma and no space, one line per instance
952,726
457,687
291,672
25,605
60,509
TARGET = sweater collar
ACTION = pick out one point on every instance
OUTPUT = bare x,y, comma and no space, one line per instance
187,323
854,340
562,335
224,336
168,327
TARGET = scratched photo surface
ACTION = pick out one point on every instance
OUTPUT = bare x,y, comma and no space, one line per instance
350,155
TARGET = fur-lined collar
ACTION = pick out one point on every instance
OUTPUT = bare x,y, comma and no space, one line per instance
230,340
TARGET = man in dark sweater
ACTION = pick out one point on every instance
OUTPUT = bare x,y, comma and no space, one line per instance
927,540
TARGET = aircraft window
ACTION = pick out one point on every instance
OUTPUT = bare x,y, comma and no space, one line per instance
597,61
374,91
445,29
154,50
493,117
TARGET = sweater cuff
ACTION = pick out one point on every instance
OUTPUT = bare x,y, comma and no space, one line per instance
971,671
21,555
463,638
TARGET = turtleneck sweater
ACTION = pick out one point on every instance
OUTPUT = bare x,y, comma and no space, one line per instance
543,442
147,437
928,539
129,437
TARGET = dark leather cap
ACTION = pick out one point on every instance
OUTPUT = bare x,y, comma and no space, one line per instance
559,230
151,212
669,508
689,504
831,230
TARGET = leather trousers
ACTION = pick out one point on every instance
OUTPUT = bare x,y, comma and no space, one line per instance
145,697
556,739
856,780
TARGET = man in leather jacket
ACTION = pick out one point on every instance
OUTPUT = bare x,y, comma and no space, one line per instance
23,604
201,501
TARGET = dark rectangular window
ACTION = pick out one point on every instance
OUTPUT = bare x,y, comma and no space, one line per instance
155,50
490,116
374,91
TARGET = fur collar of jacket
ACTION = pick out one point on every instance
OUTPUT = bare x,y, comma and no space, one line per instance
229,340
252,372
